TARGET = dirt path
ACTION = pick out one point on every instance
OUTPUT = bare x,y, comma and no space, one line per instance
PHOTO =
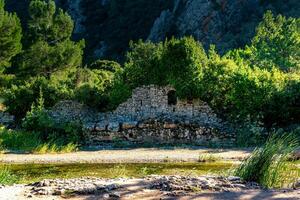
139,155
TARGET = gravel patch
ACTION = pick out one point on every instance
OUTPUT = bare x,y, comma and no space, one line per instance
151,187
140,155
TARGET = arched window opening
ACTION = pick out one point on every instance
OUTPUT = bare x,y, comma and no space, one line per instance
172,97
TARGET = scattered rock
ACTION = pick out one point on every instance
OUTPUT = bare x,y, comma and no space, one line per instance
189,184
234,178
114,195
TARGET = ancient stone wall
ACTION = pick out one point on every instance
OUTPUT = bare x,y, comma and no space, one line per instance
152,113
159,132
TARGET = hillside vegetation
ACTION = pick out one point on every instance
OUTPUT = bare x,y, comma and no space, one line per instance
41,64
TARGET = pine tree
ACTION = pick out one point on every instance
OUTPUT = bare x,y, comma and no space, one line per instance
10,36
49,45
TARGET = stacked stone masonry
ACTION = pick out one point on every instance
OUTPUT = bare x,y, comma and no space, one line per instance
152,114
6,119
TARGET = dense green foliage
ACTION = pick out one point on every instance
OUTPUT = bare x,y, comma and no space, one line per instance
30,142
269,165
174,62
276,44
48,47
10,37
259,83
242,85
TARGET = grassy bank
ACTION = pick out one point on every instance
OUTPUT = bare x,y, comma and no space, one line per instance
28,173
29,142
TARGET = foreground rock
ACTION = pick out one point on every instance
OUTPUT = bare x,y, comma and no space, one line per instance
151,187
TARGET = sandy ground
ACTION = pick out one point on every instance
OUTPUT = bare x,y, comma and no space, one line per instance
140,155
135,189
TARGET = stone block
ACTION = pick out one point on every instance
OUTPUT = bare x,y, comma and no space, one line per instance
113,126
6,119
170,126
129,125
101,126
89,127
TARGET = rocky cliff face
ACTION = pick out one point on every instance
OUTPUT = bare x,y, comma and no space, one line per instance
211,22
109,25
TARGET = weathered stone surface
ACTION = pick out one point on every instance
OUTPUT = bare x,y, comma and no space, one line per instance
67,111
101,126
171,184
129,125
149,115
80,186
170,126
113,126
210,22
160,132
6,119
190,184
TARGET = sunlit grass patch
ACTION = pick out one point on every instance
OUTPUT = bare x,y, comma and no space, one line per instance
29,173
23,141
54,148
207,157
6,176
269,165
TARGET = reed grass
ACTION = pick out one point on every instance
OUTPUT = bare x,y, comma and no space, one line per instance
269,165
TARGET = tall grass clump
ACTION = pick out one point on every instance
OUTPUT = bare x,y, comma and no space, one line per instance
6,176
269,165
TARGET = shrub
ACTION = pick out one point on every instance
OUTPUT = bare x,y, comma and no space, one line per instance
241,92
275,44
21,96
269,165
176,62
184,60
38,121
25,141
143,64
82,84
18,140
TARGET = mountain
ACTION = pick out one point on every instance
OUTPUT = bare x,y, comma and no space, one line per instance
109,25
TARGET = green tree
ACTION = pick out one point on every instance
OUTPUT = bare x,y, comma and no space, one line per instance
50,48
10,36
276,43
176,62
184,60
143,65
47,23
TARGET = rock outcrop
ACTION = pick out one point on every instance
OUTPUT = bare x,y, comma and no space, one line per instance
225,23
211,22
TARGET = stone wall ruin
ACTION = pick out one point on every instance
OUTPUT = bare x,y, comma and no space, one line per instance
152,114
